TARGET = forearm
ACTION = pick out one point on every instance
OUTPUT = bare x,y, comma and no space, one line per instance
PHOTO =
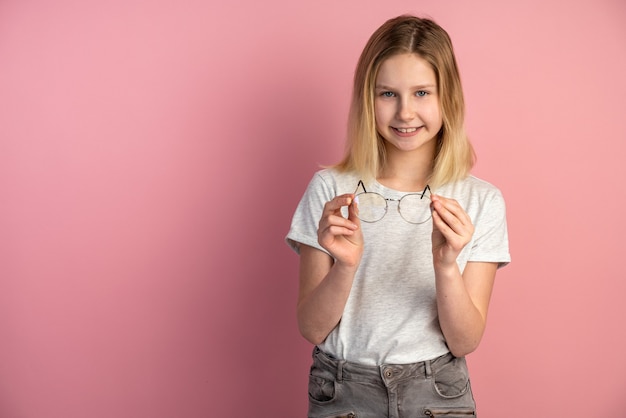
461,321
321,310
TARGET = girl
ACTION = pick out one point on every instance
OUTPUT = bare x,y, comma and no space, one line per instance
395,281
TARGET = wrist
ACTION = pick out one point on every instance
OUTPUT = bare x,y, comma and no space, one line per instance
443,270
346,267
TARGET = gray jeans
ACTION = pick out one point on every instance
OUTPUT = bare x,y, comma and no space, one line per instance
434,388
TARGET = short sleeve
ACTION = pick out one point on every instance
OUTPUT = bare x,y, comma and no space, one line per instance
491,241
306,218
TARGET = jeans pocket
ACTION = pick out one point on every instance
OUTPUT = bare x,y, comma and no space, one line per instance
451,379
321,389
450,412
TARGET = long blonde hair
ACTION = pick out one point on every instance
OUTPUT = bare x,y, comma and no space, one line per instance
365,149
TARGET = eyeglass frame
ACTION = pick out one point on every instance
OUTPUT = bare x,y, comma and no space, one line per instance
421,194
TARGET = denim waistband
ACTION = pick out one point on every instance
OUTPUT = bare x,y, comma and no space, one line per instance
389,373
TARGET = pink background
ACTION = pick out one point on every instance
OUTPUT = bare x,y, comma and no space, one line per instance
152,154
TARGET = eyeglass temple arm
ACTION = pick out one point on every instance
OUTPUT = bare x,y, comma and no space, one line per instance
360,185
424,192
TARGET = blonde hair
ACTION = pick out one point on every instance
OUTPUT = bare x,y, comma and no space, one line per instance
365,148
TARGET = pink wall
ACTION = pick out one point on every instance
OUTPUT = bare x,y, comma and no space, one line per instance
151,156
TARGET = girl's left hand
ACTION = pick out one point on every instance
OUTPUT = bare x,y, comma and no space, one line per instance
452,230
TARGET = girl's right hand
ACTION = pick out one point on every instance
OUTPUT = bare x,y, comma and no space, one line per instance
341,237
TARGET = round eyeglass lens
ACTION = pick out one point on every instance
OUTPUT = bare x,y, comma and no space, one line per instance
372,206
415,208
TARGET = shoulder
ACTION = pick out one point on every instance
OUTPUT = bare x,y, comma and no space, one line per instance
478,197
334,182
472,188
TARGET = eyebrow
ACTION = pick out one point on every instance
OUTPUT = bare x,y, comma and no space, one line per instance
418,87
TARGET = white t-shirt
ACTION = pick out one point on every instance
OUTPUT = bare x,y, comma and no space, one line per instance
391,314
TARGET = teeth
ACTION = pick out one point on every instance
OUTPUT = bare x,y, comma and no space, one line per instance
406,130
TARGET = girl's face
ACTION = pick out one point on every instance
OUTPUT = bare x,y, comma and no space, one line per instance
406,104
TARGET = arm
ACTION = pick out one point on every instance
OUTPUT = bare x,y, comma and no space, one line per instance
462,300
462,304
325,281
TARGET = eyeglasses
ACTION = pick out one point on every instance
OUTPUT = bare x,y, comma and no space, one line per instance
413,207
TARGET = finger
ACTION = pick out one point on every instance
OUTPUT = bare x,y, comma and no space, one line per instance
337,220
449,204
446,220
446,236
440,225
451,211
451,228
353,212
336,231
338,202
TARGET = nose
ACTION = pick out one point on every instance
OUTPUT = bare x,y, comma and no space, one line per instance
405,110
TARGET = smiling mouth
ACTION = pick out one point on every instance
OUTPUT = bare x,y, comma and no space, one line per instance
405,130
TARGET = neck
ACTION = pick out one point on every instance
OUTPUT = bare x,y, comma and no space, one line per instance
407,171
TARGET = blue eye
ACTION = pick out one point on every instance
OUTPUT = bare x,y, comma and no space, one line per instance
421,93
387,94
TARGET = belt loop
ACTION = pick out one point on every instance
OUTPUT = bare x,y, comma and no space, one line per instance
429,370
340,364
